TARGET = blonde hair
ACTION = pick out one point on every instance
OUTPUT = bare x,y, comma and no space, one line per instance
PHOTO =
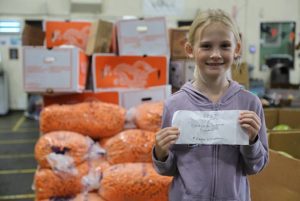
208,17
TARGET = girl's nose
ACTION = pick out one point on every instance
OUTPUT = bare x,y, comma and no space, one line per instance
215,53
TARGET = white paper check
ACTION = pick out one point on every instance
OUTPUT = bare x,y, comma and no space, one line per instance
209,127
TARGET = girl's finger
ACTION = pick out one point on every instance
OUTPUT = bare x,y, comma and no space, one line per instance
251,115
251,122
162,142
165,132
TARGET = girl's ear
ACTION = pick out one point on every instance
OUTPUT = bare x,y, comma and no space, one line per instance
189,49
237,51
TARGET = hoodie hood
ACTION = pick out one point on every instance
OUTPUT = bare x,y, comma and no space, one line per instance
196,96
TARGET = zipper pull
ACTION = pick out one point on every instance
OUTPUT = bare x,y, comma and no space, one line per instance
216,106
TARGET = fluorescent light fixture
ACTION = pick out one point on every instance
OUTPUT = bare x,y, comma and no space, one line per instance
9,29
9,24
129,17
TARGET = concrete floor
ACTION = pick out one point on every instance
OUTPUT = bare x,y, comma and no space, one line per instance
18,136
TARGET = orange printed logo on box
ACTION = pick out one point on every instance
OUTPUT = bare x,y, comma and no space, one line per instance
129,71
83,68
67,33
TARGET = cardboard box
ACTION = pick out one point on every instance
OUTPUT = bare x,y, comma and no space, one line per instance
288,116
131,98
127,98
286,141
178,38
67,33
55,70
146,36
110,71
241,74
280,180
33,34
271,117
181,71
100,37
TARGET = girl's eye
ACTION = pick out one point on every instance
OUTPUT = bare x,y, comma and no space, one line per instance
205,46
226,46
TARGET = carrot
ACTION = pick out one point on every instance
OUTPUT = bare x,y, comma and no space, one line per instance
130,146
66,143
57,184
133,181
94,119
148,116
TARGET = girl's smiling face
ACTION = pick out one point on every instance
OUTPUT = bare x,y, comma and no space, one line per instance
214,49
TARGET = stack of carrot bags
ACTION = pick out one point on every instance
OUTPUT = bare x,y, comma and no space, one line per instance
88,153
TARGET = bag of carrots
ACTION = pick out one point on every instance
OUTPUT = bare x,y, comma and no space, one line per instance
57,148
95,119
133,181
132,145
49,183
79,197
148,116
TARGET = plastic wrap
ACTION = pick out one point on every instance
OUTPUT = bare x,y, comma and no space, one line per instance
130,146
88,197
62,144
94,119
134,181
148,116
130,118
91,181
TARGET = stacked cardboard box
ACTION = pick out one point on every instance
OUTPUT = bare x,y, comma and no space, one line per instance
280,179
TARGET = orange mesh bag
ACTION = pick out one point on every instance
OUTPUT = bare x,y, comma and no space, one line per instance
64,143
94,119
79,197
133,181
130,146
148,116
49,183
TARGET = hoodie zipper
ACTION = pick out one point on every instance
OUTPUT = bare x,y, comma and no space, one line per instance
215,159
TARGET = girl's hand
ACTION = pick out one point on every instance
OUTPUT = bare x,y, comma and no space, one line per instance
251,123
163,140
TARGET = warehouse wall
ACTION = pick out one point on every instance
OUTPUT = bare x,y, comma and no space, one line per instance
248,14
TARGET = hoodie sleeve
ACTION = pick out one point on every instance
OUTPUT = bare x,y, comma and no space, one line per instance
167,167
256,155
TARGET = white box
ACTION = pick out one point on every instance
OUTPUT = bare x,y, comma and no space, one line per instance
55,70
132,98
181,71
126,98
146,36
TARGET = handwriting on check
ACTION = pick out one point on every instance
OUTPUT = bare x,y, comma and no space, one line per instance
206,125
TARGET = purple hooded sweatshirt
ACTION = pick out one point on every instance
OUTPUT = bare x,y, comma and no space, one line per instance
212,172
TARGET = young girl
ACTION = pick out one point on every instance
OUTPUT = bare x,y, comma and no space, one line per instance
212,172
